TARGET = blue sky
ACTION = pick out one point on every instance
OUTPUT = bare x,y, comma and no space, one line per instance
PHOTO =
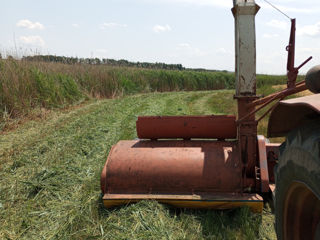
195,33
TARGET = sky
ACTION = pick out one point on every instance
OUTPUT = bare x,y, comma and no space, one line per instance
194,33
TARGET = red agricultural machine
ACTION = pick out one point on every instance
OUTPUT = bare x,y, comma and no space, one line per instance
219,161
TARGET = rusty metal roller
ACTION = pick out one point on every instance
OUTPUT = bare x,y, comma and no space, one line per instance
180,167
187,127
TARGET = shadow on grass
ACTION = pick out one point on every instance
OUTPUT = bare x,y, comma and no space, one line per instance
225,224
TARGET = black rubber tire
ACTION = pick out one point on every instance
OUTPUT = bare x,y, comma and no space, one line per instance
299,164
313,79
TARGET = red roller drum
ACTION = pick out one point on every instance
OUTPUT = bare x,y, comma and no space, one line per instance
187,127
172,166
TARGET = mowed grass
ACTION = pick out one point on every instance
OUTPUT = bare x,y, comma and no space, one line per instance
50,172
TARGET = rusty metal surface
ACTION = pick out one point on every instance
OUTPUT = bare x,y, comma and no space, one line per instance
245,69
263,102
292,71
273,153
180,167
156,127
299,87
103,177
291,113
264,171
247,135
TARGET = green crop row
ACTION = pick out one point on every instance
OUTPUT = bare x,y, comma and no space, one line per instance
25,85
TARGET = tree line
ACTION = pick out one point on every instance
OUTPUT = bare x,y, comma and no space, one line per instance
103,61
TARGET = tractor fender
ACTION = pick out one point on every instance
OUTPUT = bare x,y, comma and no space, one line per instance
291,113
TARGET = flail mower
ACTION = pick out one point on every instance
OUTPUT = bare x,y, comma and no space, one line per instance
219,161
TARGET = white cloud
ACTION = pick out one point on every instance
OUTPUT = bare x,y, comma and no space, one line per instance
75,25
277,24
309,30
25,23
112,25
267,35
32,40
160,28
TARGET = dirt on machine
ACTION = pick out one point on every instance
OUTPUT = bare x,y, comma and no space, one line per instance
219,161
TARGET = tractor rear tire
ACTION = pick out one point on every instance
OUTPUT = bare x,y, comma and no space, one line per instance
297,195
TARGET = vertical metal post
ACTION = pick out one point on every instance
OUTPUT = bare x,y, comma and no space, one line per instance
244,12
